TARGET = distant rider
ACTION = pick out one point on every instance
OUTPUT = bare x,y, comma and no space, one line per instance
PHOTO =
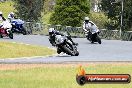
5,25
89,28
11,16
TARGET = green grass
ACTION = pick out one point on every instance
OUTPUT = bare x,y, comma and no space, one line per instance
6,8
59,76
15,50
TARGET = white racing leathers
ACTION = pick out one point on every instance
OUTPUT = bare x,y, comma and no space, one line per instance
90,27
6,25
0,18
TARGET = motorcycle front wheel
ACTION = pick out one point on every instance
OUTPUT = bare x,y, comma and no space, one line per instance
99,40
68,51
77,53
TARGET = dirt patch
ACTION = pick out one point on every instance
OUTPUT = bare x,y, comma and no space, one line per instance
26,66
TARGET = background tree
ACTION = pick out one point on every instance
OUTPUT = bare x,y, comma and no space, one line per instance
127,15
29,10
70,12
113,12
48,6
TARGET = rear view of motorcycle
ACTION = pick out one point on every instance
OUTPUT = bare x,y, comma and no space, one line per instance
91,31
17,26
64,45
94,37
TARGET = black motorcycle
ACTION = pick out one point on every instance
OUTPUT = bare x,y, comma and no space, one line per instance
94,37
64,45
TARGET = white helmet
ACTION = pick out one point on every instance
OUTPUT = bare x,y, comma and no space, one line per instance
1,12
86,18
12,13
51,30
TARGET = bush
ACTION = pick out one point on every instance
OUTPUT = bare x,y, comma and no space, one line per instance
70,12
99,19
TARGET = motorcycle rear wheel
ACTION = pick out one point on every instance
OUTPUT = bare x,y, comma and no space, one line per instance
99,40
68,51
24,31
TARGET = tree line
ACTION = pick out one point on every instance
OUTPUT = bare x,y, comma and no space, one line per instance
72,12
113,9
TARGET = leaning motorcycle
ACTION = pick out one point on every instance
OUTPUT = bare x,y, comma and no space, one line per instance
64,45
17,26
93,37
3,33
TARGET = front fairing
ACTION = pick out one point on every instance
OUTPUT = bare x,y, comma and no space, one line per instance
60,39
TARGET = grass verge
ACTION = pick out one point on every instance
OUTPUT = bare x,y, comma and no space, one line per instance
16,50
57,75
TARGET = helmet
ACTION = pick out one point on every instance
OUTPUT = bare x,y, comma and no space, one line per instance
12,13
1,13
86,18
51,30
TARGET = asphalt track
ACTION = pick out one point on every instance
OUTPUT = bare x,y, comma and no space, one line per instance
109,50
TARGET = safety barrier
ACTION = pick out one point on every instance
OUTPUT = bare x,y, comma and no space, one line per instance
110,34
127,36
40,28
